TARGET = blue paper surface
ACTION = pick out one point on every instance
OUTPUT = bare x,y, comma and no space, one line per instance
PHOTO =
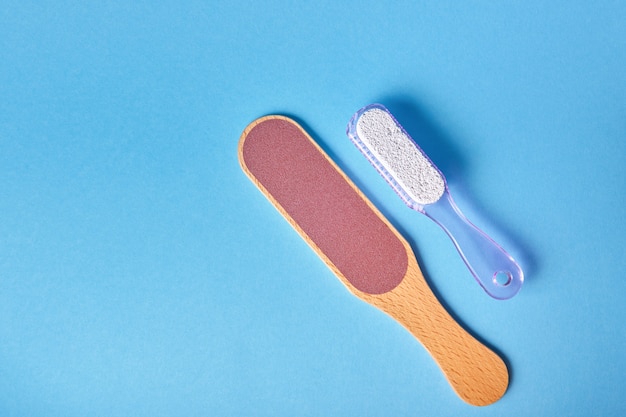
141,272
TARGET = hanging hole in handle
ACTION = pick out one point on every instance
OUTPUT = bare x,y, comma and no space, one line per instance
502,278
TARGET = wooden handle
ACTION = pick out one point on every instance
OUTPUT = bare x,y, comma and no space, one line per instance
476,373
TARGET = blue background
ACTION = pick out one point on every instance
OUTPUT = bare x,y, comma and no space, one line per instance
141,272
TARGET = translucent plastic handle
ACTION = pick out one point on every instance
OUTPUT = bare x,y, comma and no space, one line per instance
494,269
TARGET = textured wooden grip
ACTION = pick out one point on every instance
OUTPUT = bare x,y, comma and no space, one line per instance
476,373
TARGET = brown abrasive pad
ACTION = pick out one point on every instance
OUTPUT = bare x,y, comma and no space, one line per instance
323,204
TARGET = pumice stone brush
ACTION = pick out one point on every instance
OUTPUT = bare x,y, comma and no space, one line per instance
423,188
363,249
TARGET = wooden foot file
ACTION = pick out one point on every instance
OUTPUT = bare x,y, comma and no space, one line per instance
364,250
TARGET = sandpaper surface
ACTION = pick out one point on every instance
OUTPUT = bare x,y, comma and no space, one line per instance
325,205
